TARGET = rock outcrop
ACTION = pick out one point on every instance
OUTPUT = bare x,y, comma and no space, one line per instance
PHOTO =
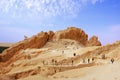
47,54
93,41
39,40
51,34
36,41
5,77
72,33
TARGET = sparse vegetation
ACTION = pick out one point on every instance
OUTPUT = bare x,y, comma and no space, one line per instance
2,49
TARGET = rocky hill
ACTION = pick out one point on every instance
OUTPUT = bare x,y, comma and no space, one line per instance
93,41
72,33
61,55
42,38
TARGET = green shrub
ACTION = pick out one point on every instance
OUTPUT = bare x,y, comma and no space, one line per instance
2,49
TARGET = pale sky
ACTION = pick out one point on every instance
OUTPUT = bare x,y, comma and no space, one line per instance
28,17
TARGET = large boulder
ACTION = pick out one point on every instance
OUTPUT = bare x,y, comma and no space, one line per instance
93,41
72,33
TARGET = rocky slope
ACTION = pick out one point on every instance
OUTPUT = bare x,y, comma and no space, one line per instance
34,42
72,33
42,38
54,61
46,54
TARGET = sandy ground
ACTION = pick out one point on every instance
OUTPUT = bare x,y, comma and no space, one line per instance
97,72
36,64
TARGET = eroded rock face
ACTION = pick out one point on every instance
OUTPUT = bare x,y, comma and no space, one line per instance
72,33
39,40
5,77
36,41
93,41
51,34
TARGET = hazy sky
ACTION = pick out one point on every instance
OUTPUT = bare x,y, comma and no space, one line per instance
28,17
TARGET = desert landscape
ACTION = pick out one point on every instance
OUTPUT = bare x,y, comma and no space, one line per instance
63,55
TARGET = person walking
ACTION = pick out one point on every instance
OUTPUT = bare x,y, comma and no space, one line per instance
112,60
88,60
83,60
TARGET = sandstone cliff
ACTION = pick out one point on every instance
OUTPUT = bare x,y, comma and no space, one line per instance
48,56
93,41
5,77
51,34
34,42
72,33
39,40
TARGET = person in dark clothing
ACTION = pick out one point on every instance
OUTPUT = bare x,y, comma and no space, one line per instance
55,62
112,60
92,59
74,54
43,62
55,70
83,60
72,62
88,60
